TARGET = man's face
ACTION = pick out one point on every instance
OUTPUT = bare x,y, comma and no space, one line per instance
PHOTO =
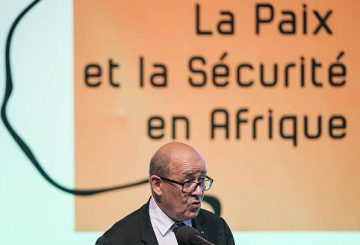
184,166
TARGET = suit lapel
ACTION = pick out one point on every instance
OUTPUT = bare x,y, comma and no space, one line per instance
197,223
147,235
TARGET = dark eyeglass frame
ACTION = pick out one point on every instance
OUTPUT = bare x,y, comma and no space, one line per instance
197,183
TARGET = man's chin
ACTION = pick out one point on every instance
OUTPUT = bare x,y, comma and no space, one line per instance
193,212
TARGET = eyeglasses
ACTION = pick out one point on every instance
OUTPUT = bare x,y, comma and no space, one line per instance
190,186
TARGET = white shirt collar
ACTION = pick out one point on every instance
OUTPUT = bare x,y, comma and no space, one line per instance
162,222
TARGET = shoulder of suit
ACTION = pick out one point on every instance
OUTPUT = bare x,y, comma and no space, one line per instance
129,220
209,216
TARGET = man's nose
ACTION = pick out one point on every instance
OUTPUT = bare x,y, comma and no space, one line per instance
198,191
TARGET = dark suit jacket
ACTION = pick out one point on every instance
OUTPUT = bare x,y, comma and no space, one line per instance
136,229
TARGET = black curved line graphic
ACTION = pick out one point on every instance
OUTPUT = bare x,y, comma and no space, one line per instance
214,203
21,143
211,200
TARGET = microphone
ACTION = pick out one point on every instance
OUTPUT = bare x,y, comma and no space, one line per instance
186,235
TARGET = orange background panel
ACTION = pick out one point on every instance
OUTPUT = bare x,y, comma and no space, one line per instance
262,184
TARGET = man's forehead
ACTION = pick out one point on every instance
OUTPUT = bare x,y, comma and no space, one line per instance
188,168
193,173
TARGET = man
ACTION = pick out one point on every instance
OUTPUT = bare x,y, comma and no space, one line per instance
178,180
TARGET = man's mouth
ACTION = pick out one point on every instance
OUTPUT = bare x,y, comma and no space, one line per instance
195,204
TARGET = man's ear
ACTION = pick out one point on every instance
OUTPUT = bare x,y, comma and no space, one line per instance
155,183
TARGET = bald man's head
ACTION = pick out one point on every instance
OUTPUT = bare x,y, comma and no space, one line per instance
175,153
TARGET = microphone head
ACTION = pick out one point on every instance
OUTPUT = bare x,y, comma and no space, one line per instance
185,235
